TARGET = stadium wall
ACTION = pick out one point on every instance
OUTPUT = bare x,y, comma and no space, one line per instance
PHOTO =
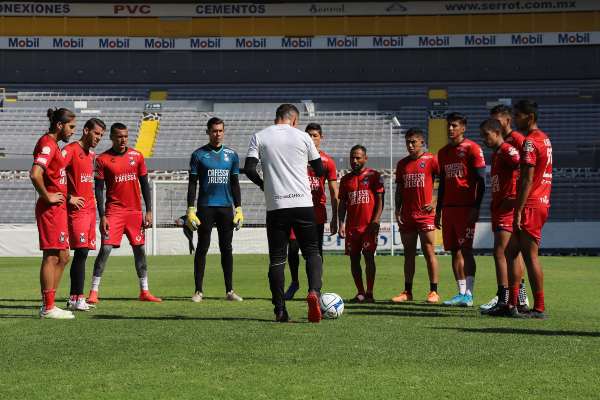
22,240
299,66
300,25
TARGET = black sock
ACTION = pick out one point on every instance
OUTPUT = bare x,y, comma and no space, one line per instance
77,271
433,287
199,267
503,297
227,265
408,287
500,291
314,267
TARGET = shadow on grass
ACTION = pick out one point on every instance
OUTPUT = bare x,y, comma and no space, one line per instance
19,307
177,318
522,331
409,313
15,300
18,316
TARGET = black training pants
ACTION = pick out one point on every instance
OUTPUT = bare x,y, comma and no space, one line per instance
279,224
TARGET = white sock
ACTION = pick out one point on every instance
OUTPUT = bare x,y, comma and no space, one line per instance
462,286
470,285
144,283
96,282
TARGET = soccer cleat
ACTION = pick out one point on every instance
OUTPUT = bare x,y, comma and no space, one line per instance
93,297
455,301
282,316
433,297
145,295
369,298
466,301
523,309
232,296
78,305
402,297
535,314
513,312
289,294
358,299
314,309
55,313
499,310
489,305
197,297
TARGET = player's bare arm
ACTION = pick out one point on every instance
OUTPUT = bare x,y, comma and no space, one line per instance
342,218
526,179
333,195
480,179
398,203
440,202
37,178
374,225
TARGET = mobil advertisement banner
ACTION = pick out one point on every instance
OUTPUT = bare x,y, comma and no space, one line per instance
301,43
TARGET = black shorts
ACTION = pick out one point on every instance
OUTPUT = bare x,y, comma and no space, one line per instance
279,224
221,217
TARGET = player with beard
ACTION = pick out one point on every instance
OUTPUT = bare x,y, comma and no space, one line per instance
79,158
361,201
123,171
49,178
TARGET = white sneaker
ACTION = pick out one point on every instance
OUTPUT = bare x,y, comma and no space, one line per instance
56,313
232,296
489,304
197,297
79,305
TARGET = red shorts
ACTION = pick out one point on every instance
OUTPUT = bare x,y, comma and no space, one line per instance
502,220
82,229
358,240
417,223
456,232
533,220
52,226
131,223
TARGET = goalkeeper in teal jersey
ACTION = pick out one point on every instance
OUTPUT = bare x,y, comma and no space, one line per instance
216,168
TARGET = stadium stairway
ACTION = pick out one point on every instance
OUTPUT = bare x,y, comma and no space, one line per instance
147,137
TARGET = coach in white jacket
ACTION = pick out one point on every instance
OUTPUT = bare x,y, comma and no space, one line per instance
284,153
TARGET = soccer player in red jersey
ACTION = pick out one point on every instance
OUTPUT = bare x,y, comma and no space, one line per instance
415,175
504,173
504,115
361,201
317,186
79,159
531,211
123,170
49,179
461,188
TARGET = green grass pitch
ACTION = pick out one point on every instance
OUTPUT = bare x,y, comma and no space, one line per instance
125,349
